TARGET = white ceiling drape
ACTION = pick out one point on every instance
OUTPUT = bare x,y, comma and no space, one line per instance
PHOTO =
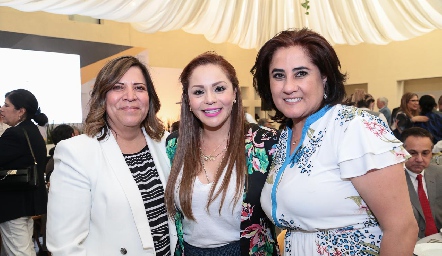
250,23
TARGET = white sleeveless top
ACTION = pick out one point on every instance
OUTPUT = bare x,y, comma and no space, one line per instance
212,229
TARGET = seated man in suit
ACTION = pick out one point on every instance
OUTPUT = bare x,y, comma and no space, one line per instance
424,181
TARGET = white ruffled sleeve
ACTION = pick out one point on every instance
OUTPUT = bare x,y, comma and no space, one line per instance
367,144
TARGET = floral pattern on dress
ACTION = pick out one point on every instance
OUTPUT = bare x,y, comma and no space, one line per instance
303,156
257,231
347,241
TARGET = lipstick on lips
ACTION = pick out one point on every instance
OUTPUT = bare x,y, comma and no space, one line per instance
211,112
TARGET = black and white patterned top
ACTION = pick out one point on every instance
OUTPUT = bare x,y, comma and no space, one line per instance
146,176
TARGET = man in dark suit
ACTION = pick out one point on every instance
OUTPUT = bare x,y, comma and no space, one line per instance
419,143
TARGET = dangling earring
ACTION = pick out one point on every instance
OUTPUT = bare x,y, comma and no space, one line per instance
325,90
234,101
190,109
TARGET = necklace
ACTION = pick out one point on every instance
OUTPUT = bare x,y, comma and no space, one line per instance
211,157
294,140
204,167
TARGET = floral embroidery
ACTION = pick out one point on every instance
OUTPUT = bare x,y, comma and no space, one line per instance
303,156
362,206
346,114
260,241
347,241
399,152
247,211
257,157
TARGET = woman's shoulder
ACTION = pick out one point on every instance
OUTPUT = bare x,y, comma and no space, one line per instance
261,137
78,143
171,144
172,136
260,131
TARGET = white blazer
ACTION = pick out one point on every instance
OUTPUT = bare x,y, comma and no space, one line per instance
95,207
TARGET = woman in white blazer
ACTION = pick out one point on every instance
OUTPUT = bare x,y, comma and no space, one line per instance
107,188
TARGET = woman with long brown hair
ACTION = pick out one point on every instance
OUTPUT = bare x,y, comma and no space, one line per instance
217,173
407,114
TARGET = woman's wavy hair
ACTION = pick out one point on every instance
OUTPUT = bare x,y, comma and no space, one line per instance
109,75
22,98
404,101
321,54
187,157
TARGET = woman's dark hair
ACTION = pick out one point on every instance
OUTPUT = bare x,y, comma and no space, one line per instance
321,54
175,126
22,98
61,132
365,102
109,75
187,157
416,132
427,104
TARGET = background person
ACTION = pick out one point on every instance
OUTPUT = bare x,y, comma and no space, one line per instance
264,122
382,104
407,114
175,126
18,206
3,126
106,195
434,125
419,143
59,133
367,103
219,167
337,183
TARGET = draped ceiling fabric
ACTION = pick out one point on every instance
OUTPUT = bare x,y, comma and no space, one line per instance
250,23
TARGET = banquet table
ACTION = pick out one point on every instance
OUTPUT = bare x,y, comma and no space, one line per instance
429,246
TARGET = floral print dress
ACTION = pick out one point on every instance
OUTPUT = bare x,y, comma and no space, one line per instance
257,236
310,194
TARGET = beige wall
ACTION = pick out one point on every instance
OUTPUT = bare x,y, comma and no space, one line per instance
382,68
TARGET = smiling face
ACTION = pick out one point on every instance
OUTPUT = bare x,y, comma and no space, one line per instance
413,103
127,103
10,115
296,84
211,96
420,149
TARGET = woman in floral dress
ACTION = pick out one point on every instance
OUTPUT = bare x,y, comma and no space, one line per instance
337,181
219,166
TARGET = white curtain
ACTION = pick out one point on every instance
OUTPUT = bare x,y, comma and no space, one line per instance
250,23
